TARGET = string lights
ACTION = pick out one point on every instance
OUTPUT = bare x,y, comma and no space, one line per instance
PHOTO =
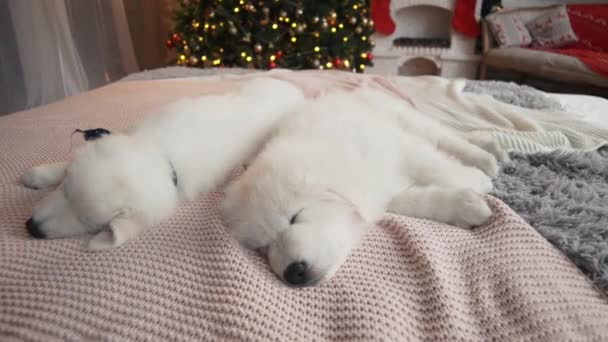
266,34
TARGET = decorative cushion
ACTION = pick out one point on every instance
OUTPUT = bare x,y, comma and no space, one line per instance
509,30
553,29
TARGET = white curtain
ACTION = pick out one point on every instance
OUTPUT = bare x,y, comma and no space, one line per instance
56,48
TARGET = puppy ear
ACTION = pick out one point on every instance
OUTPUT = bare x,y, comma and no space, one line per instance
122,229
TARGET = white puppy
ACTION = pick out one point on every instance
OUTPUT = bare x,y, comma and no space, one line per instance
336,165
120,184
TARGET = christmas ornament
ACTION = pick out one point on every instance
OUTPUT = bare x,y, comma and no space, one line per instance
283,14
333,15
358,29
324,24
177,37
299,12
316,62
266,10
370,56
232,30
272,65
338,62
279,54
169,43
300,28
193,60
315,20
371,23
353,20
257,48
209,13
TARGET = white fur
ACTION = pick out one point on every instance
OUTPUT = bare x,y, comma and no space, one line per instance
339,163
120,184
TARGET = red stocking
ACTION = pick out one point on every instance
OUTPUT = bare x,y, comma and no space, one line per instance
381,14
464,18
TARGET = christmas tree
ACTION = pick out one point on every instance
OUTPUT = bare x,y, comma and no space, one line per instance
293,34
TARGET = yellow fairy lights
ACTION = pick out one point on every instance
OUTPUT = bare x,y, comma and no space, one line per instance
346,63
243,54
206,25
217,62
341,25
203,58
362,66
275,26
333,30
364,55
273,57
286,20
329,65
236,10
200,38
249,59
294,39
364,38
345,39
317,49
294,25
182,57
355,6
195,24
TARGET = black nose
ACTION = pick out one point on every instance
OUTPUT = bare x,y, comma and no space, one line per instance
33,229
295,273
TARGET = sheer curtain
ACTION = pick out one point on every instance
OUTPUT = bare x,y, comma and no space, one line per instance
56,48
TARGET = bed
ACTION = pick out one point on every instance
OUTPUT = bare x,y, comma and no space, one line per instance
187,279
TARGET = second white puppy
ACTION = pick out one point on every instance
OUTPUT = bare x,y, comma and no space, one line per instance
121,184
335,166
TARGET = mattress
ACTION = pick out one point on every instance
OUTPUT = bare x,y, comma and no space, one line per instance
187,279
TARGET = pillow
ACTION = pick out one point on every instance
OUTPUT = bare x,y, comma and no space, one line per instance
509,30
553,29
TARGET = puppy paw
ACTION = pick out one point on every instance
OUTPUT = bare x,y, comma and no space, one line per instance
489,165
471,209
44,176
488,143
36,178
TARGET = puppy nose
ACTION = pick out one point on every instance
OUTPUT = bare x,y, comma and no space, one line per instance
34,229
295,273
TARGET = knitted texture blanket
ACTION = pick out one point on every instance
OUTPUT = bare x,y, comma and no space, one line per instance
520,118
186,279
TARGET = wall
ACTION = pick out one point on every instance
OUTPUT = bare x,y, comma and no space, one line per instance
150,22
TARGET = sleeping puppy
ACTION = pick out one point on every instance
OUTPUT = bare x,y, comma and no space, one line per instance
333,168
121,184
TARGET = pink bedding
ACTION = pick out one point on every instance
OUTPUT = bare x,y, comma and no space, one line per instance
188,280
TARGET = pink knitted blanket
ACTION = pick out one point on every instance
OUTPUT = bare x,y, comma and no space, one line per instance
188,280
